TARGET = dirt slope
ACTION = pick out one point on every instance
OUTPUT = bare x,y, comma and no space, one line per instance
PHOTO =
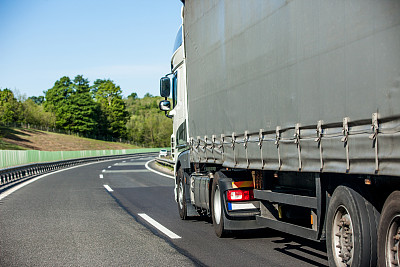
17,138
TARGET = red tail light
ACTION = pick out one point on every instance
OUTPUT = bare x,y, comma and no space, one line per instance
240,194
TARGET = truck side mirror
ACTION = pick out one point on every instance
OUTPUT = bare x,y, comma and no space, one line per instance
165,105
165,87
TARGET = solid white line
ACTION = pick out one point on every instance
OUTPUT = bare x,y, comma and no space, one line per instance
108,188
15,188
126,171
159,173
101,176
160,227
129,164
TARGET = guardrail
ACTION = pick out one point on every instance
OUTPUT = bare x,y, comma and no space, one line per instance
11,158
12,175
166,162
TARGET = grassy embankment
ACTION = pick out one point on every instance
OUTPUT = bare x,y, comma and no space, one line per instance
30,139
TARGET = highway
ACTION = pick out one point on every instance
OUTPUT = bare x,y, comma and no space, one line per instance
119,213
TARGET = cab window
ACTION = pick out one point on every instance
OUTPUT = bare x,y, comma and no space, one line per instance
175,89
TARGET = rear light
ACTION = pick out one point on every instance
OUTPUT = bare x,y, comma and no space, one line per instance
240,194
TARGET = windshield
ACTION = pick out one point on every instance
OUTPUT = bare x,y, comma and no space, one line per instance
178,39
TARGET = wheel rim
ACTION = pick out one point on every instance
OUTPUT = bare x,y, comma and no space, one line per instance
217,206
392,242
180,195
342,236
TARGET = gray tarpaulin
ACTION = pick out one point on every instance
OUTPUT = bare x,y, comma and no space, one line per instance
293,85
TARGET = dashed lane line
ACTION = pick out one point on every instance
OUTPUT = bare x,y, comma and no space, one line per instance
109,189
159,227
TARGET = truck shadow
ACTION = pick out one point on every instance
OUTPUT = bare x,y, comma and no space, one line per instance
308,251
305,250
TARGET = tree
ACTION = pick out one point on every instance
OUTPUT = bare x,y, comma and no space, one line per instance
113,109
9,106
133,96
37,99
58,101
147,125
35,114
72,105
82,107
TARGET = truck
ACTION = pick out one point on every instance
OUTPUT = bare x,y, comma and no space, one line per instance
286,115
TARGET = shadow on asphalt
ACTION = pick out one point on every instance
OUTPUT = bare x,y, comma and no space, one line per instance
293,246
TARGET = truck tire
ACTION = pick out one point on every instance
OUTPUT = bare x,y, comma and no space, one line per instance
181,194
217,209
351,223
389,232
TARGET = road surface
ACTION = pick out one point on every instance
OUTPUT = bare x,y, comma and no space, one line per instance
119,213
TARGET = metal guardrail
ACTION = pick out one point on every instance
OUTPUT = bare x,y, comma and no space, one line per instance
166,162
12,158
10,176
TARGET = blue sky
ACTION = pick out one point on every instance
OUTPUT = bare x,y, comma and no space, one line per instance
129,42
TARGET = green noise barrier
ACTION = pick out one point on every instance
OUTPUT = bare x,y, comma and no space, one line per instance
11,158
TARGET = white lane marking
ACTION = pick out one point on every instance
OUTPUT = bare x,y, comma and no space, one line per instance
109,189
101,176
15,188
160,227
129,164
123,171
159,173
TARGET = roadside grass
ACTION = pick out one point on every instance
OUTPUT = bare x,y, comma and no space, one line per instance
8,146
164,166
23,139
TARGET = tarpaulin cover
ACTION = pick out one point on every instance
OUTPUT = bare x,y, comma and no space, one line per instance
261,76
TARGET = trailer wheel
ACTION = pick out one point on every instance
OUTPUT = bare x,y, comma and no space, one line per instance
181,194
389,232
351,229
217,209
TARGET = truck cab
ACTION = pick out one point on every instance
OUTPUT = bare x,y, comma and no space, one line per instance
176,81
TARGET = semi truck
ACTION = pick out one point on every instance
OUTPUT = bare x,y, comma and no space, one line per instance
286,115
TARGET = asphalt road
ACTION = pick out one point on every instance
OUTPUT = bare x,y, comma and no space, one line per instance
101,215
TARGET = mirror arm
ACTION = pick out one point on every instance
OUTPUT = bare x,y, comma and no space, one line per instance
167,115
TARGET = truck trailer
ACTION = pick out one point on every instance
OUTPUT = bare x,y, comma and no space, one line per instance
286,115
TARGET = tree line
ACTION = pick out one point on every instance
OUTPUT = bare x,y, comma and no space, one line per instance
97,111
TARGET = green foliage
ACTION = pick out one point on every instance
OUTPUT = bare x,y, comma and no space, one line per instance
37,99
72,104
113,111
35,114
148,125
9,106
96,111
133,96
